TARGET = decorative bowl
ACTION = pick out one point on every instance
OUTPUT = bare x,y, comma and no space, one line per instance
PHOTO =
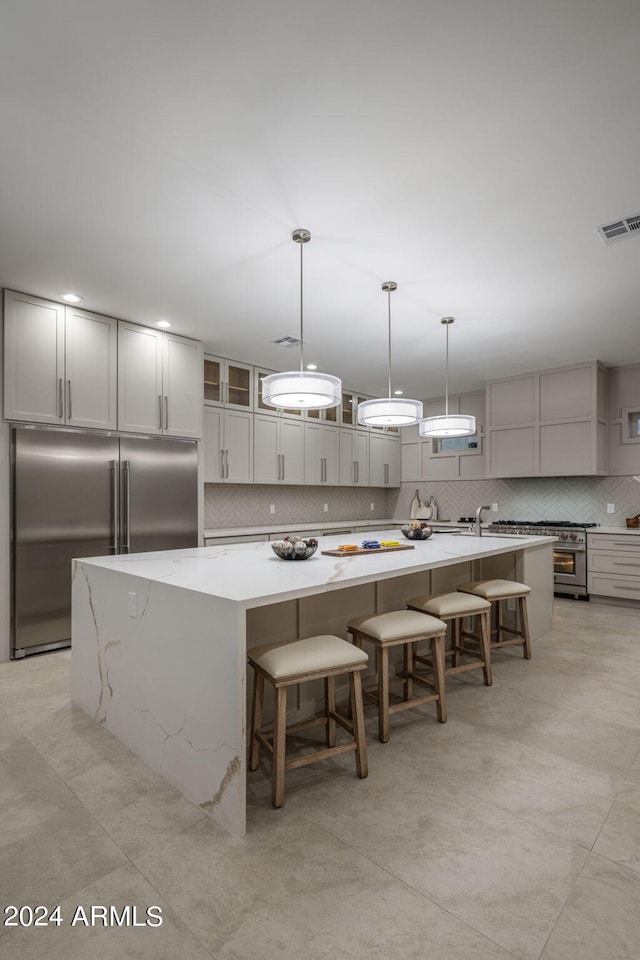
294,548
421,532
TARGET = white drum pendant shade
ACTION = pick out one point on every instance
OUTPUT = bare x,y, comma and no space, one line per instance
389,412
302,390
453,425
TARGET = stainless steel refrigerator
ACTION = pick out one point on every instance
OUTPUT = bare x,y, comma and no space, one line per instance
78,494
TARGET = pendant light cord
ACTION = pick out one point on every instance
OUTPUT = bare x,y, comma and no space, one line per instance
446,375
301,315
389,335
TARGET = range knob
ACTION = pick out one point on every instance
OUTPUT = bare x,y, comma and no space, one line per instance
574,536
565,536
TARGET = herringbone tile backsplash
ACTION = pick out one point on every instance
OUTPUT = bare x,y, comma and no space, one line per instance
581,499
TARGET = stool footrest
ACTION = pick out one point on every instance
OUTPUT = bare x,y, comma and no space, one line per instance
320,755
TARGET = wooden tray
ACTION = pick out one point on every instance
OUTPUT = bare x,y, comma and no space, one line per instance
361,550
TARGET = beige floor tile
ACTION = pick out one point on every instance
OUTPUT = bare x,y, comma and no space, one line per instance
50,845
620,837
288,893
107,941
601,920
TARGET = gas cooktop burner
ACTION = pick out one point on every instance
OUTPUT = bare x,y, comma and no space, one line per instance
543,523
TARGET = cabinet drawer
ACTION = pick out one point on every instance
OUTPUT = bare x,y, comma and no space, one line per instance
629,543
618,564
243,538
607,585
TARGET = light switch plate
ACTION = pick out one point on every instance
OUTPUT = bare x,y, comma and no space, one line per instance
133,606
611,508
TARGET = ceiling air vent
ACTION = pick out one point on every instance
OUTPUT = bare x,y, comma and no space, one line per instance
619,229
287,342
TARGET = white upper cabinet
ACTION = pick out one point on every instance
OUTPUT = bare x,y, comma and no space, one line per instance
60,364
384,460
159,382
228,446
228,383
354,458
321,453
278,450
548,423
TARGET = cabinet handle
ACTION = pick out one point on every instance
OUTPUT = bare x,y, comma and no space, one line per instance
624,586
166,413
69,399
222,464
622,563
386,473
60,408
282,455
357,463
279,457
226,464
323,469
160,410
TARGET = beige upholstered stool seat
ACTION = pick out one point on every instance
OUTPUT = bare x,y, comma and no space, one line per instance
404,628
497,591
296,661
454,608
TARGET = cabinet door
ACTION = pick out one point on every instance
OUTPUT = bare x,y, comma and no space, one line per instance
140,395
267,462
331,454
361,457
182,386
292,450
214,469
347,475
377,460
91,359
238,446
313,453
33,359
393,462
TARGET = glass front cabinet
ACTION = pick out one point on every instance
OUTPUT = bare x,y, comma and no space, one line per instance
227,383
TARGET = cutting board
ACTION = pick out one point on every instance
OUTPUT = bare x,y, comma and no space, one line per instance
361,550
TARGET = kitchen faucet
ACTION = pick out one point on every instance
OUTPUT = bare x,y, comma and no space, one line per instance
477,529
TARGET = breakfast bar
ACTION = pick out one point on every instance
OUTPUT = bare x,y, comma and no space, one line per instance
159,640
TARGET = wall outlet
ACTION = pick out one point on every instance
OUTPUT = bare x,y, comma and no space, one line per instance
133,606
272,508
611,508
372,505
325,507
494,507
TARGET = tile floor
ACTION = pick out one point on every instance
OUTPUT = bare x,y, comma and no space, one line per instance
513,830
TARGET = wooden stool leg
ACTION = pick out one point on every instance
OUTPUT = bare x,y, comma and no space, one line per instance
524,627
383,695
456,640
256,719
409,652
279,747
357,712
437,648
485,646
330,708
498,605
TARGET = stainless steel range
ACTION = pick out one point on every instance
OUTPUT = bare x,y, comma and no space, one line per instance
569,553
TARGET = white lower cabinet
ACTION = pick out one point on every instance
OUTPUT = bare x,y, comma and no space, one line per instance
321,454
384,460
228,446
613,565
278,450
354,458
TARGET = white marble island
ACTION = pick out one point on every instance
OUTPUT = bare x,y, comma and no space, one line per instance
159,640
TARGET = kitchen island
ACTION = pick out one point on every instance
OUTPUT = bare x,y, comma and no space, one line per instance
159,640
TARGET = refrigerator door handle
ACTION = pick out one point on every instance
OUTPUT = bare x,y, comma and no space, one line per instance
113,465
60,407
126,536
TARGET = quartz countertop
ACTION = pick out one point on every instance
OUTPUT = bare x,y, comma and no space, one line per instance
251,574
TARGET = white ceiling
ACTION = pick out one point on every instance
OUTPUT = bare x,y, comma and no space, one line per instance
157,154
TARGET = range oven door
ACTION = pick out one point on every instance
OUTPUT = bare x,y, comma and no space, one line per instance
570,569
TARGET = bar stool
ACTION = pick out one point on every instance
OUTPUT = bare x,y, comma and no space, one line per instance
453,608
403,628
497,591
297,661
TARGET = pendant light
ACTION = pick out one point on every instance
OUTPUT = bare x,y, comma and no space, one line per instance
389,411
301,389
449,424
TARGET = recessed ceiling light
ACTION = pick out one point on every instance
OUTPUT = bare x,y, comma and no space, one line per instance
71,297
163,323
312,366
398,393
